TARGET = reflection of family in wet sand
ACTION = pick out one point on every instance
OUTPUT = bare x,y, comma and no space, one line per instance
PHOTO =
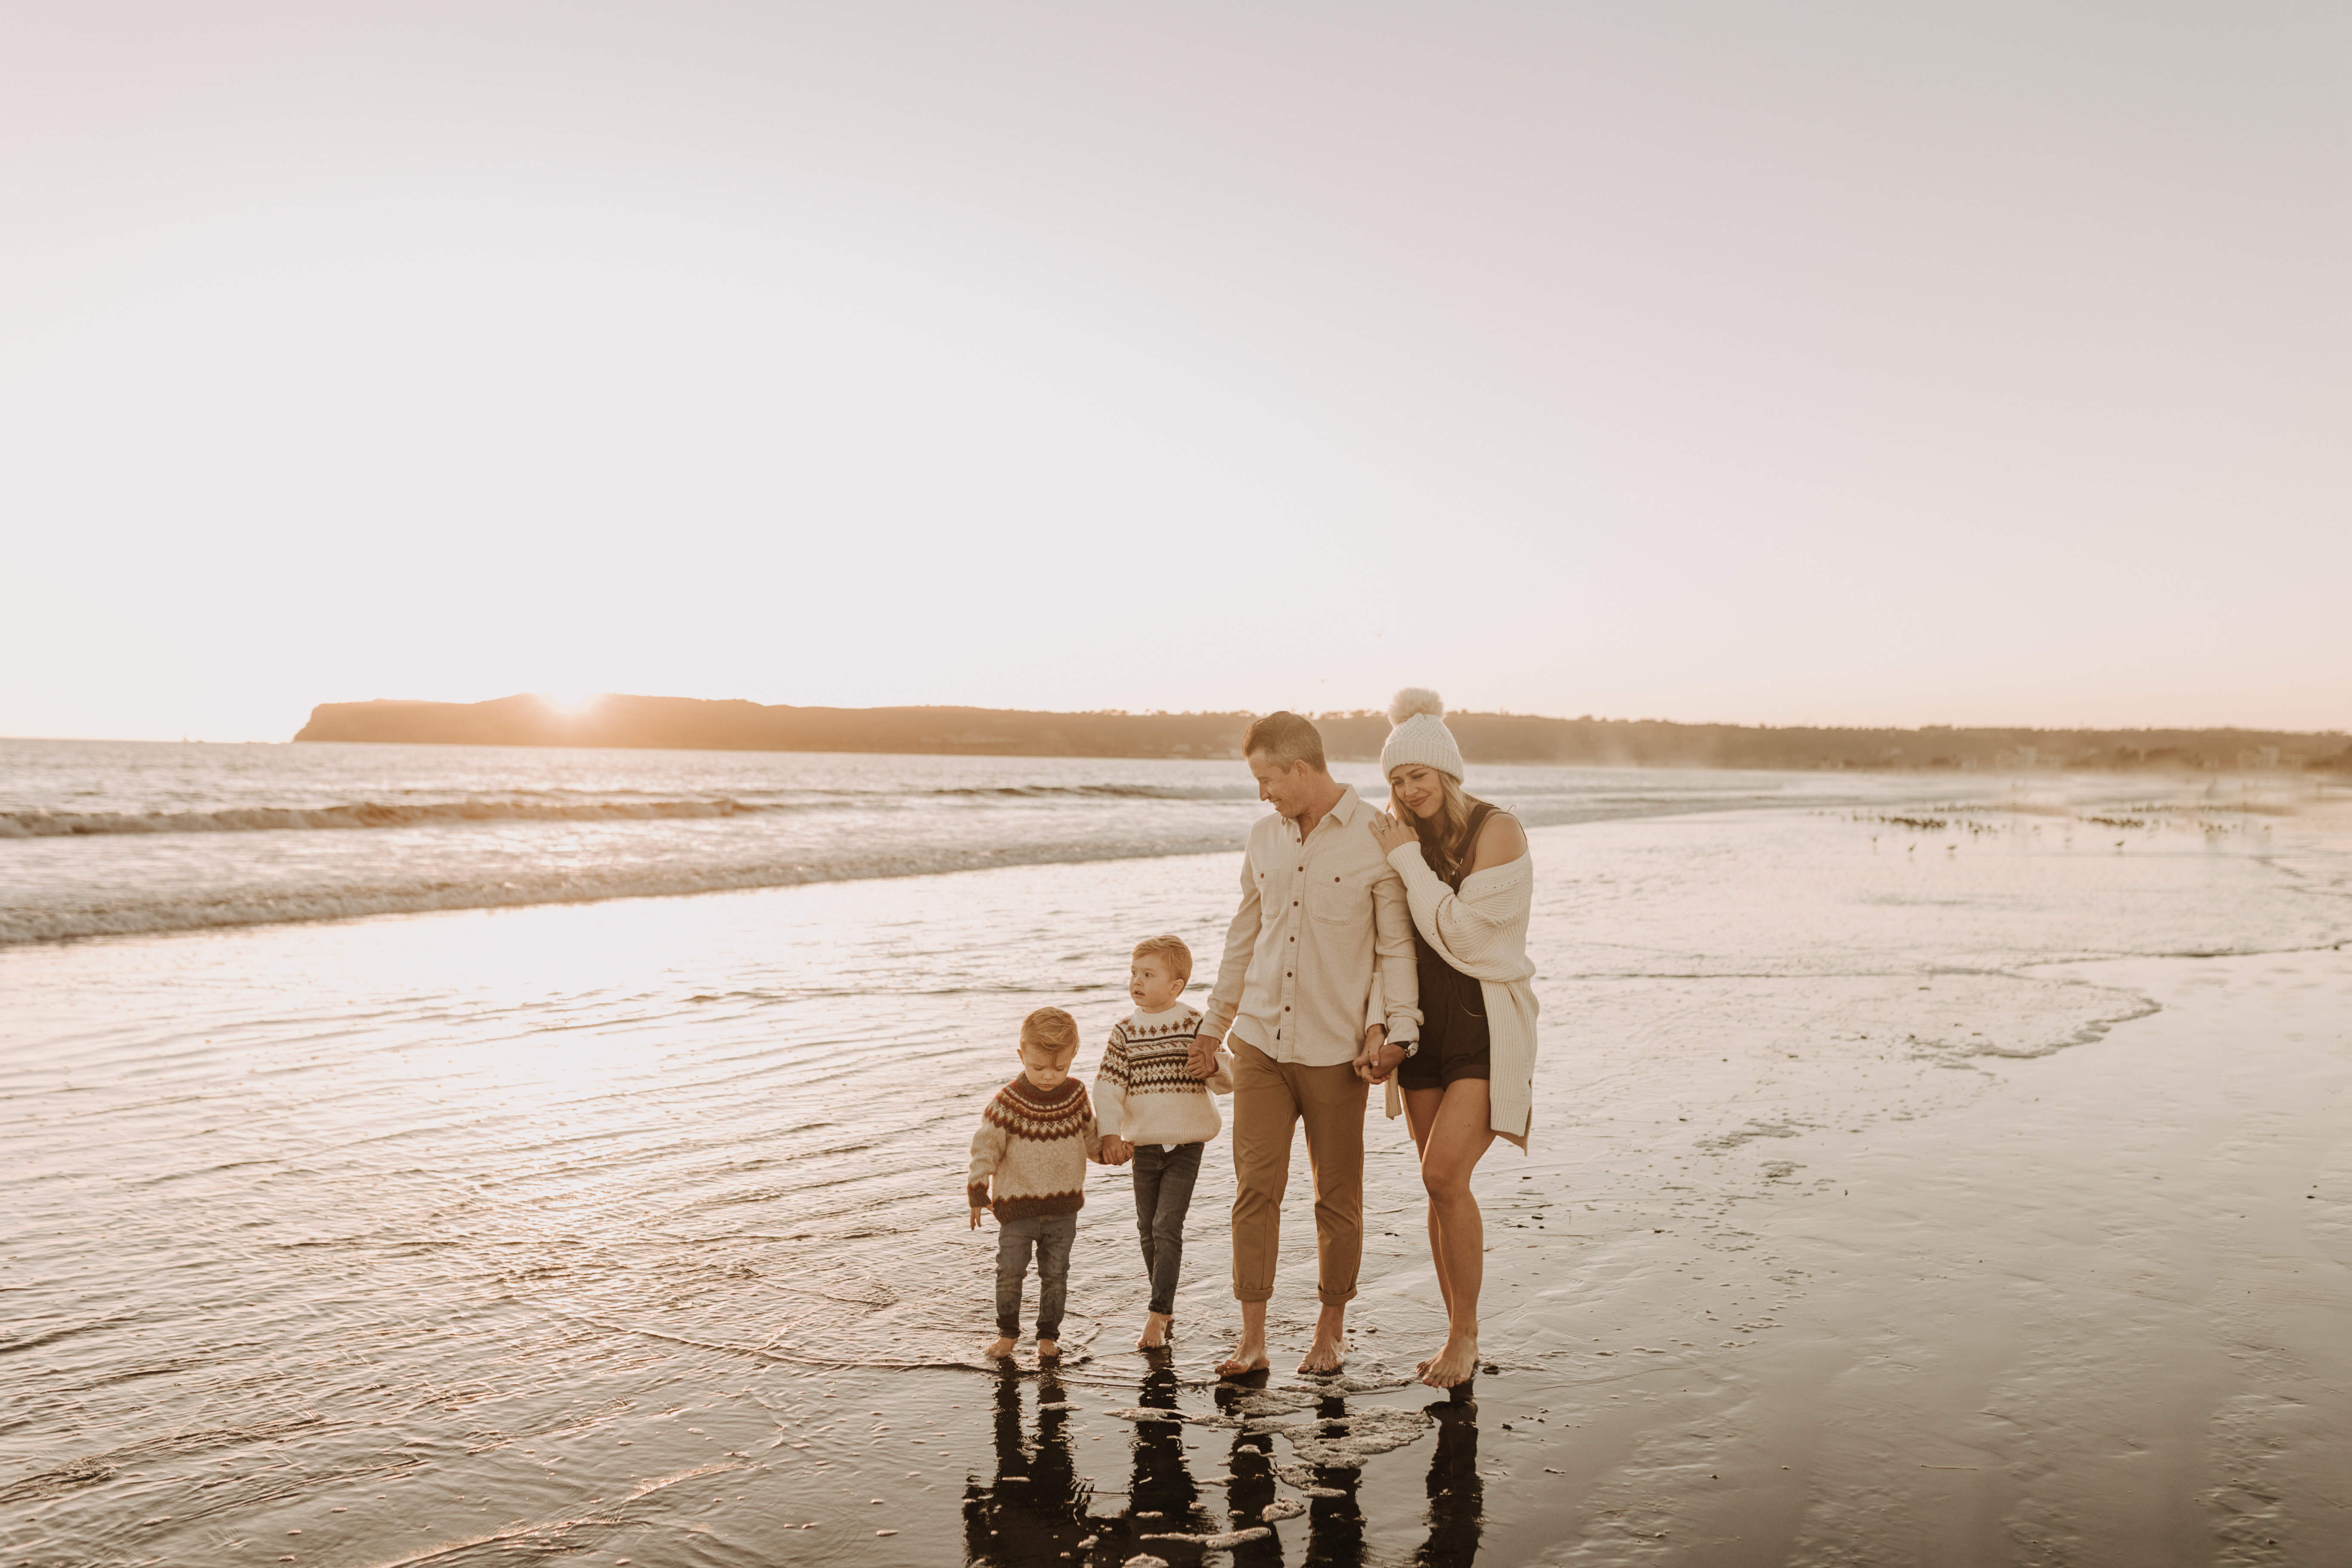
1039,1509
1369,947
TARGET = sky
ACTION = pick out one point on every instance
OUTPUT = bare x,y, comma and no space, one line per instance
1800,363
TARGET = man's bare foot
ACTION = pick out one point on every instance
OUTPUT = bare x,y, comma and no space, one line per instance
1157,1328
1328,1353
999,1347
1049,1350
1454,1365
1248,1356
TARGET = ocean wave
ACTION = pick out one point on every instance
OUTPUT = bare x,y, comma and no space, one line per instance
543,807
1101,792
207,908
366,814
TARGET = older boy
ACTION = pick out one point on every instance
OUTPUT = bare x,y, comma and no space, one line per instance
1155,1109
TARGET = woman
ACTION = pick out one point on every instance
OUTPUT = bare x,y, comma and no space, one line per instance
1472,1076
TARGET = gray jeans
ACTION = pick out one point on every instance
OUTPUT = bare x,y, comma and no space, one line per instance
1164,1192
1051,1235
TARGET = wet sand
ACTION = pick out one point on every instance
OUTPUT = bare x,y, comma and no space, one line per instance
1877,1213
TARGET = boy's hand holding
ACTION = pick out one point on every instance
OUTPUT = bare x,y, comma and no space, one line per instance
1116,1150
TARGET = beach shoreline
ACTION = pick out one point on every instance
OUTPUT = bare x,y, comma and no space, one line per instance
633,1230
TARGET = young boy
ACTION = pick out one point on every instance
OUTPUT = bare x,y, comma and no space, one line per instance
1032,1149
1157,1111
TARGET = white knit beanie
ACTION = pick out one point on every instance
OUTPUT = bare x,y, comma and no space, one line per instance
1421,735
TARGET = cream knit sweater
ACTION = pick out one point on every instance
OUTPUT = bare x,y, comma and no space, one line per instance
1145,1092
1482,931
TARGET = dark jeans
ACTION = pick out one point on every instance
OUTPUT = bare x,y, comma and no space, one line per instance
1164,1192
1050,1234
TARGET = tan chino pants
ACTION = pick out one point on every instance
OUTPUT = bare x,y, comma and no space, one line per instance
1269,1099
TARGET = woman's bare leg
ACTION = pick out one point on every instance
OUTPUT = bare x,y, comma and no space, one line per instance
1420,1117
1459,1137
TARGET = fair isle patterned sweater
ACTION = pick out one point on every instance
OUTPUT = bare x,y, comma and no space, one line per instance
1031,1150
1147,1091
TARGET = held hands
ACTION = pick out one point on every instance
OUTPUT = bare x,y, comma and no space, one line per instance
1116,1150
1393,832
1201,1056
1378,1059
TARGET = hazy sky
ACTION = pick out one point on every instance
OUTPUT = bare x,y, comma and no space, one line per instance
1847,364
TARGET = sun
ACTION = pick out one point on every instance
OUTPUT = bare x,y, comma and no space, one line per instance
571,704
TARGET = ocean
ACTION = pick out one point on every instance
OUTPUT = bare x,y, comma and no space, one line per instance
399,1167
111,838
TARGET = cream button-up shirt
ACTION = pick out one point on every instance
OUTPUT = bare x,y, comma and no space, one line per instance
1319,916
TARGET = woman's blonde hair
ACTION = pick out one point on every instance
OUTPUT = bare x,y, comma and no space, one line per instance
1445,838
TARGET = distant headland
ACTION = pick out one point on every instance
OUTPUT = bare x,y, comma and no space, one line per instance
693,724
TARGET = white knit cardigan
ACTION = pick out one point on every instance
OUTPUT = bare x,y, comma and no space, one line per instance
1482,931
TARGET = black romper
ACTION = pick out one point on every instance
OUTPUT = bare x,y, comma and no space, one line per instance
1453,1038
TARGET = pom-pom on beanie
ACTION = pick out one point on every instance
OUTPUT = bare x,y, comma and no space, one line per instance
1421,735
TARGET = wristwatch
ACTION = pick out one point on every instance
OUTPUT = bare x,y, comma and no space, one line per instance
1412,1047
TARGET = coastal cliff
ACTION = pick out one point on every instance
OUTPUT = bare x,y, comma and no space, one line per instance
694,724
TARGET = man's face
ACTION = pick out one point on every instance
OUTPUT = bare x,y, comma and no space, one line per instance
1289,790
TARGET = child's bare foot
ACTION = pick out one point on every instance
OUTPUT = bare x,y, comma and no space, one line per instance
1049,1350
1327,1353
1156,1329
1454,1365
997,1348
1248,1356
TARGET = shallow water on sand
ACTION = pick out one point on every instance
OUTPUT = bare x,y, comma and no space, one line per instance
633,1230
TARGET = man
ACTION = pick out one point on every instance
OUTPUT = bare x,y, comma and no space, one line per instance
1321,910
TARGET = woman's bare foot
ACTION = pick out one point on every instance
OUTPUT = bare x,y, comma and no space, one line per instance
1454,1365
1158,1328
1328,1353
998,1348
1049,1350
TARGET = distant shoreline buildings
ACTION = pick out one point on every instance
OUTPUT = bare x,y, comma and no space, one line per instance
694,724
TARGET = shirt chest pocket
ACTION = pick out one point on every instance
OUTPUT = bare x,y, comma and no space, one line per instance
1337,896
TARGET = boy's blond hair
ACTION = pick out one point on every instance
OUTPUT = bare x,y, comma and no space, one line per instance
1050,1028
1172,949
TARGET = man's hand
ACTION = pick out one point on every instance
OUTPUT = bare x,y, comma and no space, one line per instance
1378,1059
975,1217
1116,1150
1201,1056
